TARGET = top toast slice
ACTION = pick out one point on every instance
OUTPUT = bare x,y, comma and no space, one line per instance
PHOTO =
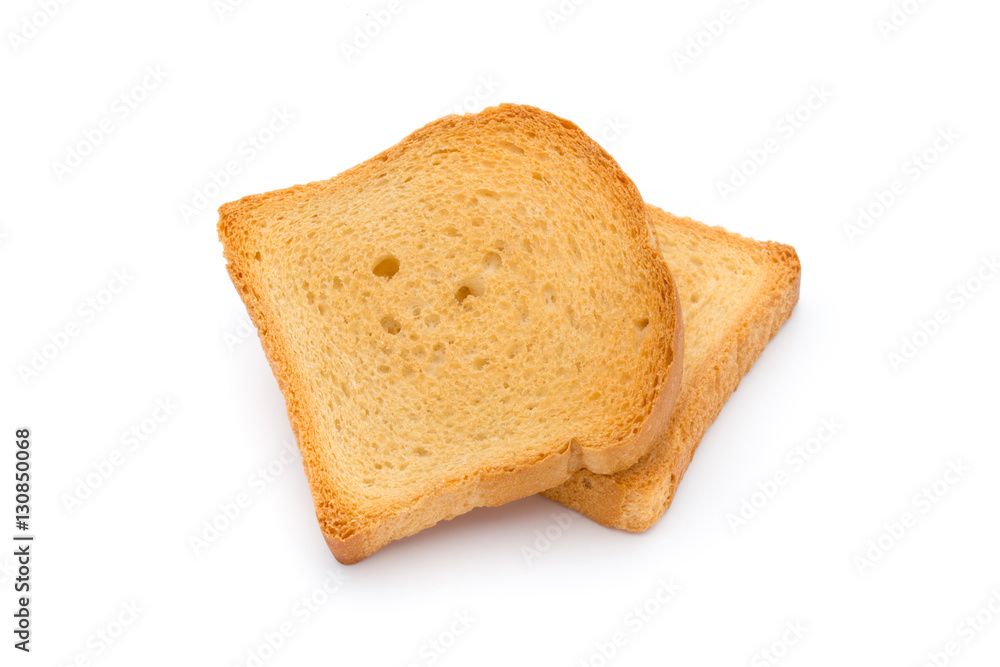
465,319
735,294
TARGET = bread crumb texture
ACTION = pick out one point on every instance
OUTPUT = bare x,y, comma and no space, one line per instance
482,298
735,294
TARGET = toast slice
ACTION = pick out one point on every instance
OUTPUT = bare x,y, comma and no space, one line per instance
465,319
735,294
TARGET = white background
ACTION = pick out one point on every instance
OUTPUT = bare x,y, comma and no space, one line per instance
683,129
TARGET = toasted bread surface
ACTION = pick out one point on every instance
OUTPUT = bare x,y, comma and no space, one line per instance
735,294
465,319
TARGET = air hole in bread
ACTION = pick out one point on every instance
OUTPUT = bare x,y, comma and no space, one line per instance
640,331
471,287
483,192
480,363
390,325
386,267
437,355
535,175
513,148
549,295
492,262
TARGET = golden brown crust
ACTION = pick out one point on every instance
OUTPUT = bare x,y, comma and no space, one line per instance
635,498
352,533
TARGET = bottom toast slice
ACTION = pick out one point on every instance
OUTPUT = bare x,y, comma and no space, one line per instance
735,294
